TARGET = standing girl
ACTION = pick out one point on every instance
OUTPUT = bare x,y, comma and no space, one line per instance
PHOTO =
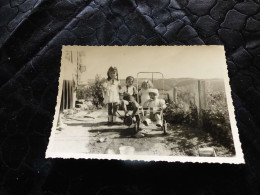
111,89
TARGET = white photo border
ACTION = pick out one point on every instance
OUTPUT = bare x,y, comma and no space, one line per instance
237,159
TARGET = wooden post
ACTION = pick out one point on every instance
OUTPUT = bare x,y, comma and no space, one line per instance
67,95
71,95
202,100
74,96
63,95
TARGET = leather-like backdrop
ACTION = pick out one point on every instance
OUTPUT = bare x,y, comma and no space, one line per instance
31,35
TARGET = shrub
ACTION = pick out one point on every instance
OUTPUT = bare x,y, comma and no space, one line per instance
176,114
216,119
93,91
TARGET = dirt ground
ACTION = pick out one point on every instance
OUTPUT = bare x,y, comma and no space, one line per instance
88,133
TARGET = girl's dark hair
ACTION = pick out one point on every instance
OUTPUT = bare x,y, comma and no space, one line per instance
129,77
114,69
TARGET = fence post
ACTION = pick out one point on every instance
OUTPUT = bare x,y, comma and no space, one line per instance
202,100
67,94
175,97
63,95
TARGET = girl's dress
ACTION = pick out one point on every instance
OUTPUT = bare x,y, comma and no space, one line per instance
111,94
144,93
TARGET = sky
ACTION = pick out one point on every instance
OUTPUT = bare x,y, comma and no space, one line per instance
202,62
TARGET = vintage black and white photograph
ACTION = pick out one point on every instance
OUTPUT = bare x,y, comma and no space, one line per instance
151,103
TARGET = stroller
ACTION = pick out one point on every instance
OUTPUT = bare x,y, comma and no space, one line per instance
144,112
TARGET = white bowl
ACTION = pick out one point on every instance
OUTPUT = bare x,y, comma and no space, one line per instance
126,150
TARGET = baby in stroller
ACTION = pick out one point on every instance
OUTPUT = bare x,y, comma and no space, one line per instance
156,105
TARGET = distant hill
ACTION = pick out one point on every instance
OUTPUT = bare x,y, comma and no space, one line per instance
216,85
213,84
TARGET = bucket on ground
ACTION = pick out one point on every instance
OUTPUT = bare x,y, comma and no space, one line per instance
207,152
126,150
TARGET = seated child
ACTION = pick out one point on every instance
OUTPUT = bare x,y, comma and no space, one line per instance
144,92
128,93
154,103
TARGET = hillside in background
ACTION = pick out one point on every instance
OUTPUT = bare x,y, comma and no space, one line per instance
215,84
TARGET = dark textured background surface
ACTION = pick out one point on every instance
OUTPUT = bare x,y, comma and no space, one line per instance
31,35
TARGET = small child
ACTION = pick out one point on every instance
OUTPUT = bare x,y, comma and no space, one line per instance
129,92
154,103
111,89
144,92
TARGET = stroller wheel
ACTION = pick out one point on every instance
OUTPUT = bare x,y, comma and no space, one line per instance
128,120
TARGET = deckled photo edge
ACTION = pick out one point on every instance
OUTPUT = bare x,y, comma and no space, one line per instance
231,110
57,108
237,159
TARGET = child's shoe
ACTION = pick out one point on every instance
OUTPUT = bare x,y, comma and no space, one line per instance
114,121
110,120
159,123
147,122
